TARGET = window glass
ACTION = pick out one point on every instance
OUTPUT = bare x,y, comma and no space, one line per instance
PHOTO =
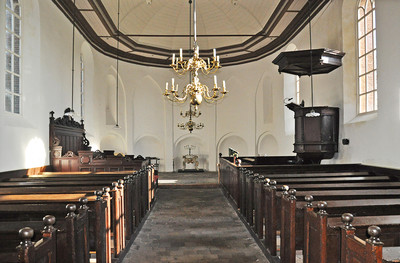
367,77
8,102
17,26
16,104
8,19
13,56
8,61
8,41
8,81
16,84
17,8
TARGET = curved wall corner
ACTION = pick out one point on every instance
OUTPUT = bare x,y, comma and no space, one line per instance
267,145
150,146
113,142
232,141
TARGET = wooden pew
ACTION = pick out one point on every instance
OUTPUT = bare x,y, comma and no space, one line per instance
148,172
231,177
332,239
256,202
232,180
273,208
293,226
247,202
44,250
356,250
59,180
135,192
260,192
100,216
359,179
371,250
324,183
70,235
104,212
62,174
86,184
148,186
144,182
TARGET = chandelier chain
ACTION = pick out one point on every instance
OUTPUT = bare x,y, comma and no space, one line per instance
195,90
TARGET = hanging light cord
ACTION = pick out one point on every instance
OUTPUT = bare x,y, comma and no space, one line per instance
311,65
312,112
73,57
194,24
190,45
117,65
190,35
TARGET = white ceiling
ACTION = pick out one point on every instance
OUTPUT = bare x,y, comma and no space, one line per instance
150,30
171,17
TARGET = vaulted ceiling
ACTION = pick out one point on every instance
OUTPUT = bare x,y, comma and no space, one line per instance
151,30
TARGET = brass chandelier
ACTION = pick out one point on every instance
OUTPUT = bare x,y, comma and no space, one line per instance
195,91
191,125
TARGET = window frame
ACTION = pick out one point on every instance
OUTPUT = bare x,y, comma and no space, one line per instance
361,40
11,51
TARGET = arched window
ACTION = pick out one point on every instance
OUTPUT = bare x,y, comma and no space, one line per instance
13,57
366,34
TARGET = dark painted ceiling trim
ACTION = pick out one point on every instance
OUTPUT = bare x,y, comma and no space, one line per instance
294,27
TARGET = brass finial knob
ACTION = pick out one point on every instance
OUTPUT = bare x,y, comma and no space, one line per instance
309,199
292,194
374,232
49,222
347,218
322,205
26,234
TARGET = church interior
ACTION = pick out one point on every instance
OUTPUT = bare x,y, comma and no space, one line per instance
278,119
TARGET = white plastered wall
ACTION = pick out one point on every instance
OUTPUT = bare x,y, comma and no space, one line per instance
252,116
374,138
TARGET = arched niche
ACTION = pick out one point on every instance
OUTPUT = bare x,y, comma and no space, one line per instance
232,141
150,146
111,116
148,108
200,151
111,102
267,145
113,142
265,100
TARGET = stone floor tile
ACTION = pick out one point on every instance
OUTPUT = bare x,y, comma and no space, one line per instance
193,225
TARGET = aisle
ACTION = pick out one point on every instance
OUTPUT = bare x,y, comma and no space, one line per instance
193,225
194,179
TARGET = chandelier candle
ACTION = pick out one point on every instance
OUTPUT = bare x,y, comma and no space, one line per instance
195,91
